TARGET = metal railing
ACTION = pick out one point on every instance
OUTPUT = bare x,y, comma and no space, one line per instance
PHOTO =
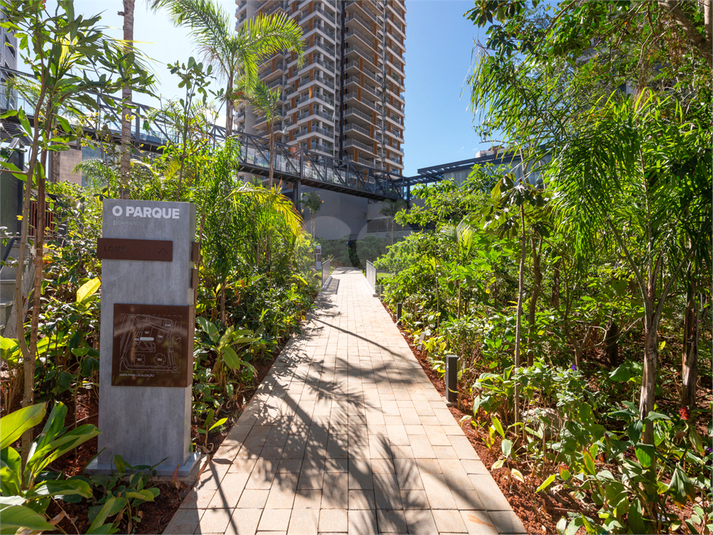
313,169
107,121
354,111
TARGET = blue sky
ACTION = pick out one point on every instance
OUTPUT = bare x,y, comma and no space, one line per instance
439,44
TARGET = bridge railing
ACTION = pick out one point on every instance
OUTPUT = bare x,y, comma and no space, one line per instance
293,163
149,125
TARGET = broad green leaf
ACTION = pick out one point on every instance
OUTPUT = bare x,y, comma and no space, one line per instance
645,454
498,426
88,289
546,483
53,427
696,441
498,464
111,507
620,375
68,487
119,464
517,475
231,358
14,424
143,495
506,446
588,462
651,416
15,517
208,327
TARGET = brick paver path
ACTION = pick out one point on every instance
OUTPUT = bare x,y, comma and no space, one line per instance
346,435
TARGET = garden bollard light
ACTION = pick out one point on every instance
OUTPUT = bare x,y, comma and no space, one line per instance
452,378
398,312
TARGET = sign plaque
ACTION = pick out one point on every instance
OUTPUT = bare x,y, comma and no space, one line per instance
121,249
152,346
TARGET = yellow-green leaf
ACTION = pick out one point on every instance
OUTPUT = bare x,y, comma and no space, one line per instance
517,474
88,289
546,483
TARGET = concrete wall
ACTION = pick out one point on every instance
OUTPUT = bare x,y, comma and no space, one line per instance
341,215
68,160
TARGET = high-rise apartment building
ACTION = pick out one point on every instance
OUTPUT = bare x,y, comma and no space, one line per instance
347,99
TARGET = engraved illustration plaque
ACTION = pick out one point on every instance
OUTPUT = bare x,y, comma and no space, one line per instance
124,249
151,346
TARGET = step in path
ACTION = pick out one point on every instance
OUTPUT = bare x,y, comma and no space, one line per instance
346,434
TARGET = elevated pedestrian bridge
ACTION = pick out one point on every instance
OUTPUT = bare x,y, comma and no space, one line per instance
315,170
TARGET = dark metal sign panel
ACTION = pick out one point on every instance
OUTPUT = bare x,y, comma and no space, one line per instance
123,249
152,346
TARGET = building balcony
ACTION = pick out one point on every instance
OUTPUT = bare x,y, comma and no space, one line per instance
353,112
360,8
394,108
355,129
399,28
367,26
363,101
395,159
271,9
305,114
268,70
364,161
398,14
320,26
328,66
396,134
395,150
358,38
355,50
361,146
352,68
323,80
353,80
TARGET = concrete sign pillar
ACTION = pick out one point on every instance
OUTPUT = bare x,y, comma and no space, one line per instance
147,329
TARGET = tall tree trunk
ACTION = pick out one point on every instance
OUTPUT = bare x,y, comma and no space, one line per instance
689,371
518,321
229,107
54,166
648,382
555,299
272,154
536,288
222,302
29,353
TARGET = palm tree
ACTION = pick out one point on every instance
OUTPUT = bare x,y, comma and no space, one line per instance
264,100
390,209
234,54
314,203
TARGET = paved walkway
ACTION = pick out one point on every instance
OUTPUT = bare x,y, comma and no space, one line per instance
346,435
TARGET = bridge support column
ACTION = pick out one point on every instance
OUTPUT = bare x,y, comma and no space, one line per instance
297,194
